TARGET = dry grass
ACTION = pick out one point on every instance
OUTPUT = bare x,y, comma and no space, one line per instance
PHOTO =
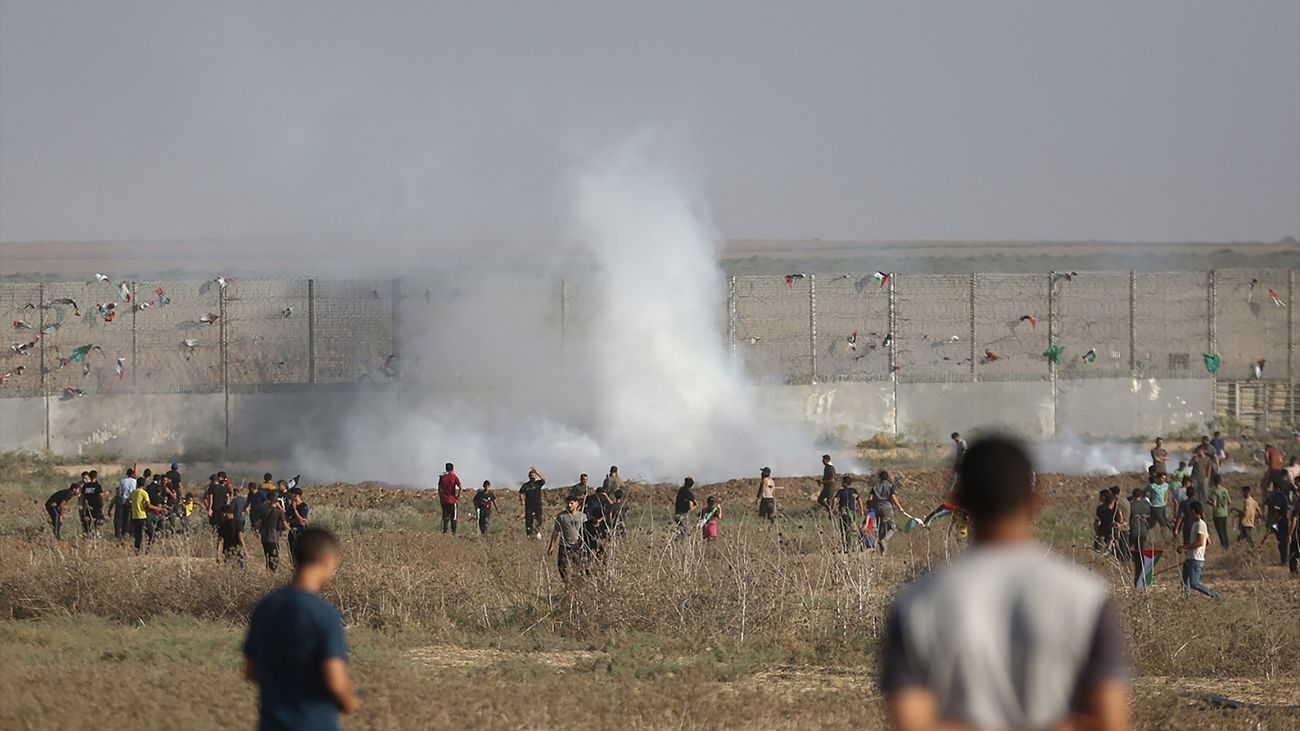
764,628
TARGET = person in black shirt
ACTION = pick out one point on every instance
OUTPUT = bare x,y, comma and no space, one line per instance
90,506
846,506
485,501
215,498
296,514
616,515
1104,524
827,495
175,476
230,539
596,529
683,506
55,505
530,497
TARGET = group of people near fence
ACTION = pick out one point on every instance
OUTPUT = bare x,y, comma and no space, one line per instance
147,507
1187,500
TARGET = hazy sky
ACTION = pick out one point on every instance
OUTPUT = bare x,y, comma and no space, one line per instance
1110,120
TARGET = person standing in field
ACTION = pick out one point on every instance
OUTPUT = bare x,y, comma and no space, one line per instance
272,525
1249,517
613,483
295,651
449,490
1139,531
485,501
1220,448
90,505
827,493
1183,520
1160,457
57,503
567,536
1272,465
296,515
618,515
1220,505
581,488
215,499
846,507
884,500
1200,468
1194,561
256,500
767,495
1008,635
1158,496
121,508
530,498
683,505
710,518
140,509
230,538
959,448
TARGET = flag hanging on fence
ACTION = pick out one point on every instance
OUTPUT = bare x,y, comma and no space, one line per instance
79,355
853,341
1053,353
1212,361
1150,556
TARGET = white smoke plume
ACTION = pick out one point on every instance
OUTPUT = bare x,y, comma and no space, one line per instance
1068,453
648,384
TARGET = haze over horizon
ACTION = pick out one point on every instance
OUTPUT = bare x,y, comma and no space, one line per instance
1162,121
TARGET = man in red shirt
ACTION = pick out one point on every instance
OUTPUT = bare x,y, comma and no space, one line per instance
448,493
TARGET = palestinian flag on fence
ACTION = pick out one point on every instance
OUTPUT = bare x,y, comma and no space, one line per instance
1150,556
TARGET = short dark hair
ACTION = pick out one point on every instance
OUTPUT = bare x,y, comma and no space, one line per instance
449,466
688,482
1195,507
487,483
1245,488
314,544
613,469
995,478
884,475
1114,489
955,435
765,472
826,456
130,472
94,474
618,494
848,480
266,477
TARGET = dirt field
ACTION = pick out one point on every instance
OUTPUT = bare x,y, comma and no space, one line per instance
763,629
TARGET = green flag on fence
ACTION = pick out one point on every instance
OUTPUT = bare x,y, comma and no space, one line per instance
1212,362
1053,353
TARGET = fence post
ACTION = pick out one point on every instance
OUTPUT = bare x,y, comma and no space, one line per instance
1132,323
396,338
45,386
135,299
893,347
311,331
225,361
1290,343
1051,340
974,373
731,318
1212,339
812,326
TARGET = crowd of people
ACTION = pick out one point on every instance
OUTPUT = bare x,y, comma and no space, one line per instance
1186,500
147,507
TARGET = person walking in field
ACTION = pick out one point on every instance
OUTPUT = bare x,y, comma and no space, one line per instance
485,501
884,500
272,525
767,495
57,503
1008,635
566,536
1248,517
140,508
846,508
613,483
1200,468
1220,507
295,515
121,508
827,493
618,515
1158,497
230,538
1194,561
1139,535
530,499
449,490
90,505
295,651
581,487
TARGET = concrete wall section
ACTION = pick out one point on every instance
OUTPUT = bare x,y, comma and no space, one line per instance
938,409
1128,407
848,411
22,424
129,425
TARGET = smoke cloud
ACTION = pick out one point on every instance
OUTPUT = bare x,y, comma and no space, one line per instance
648,384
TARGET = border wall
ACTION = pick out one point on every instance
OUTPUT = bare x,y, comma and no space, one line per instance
220,367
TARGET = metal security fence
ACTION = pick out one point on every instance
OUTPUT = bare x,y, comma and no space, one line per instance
1237,327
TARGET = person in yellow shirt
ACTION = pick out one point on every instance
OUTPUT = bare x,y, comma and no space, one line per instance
140,508
1249,516
187,509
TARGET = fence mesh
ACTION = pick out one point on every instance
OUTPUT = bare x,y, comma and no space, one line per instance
773,329
1011,326
170,335
852,323
1171,319
932,326
1249,324
1092,317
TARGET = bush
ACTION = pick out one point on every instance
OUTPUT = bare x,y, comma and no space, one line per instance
880,441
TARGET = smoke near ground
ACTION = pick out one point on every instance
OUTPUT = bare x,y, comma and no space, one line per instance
649,385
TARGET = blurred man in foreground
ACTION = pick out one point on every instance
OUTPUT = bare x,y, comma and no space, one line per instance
1007,636
295,651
